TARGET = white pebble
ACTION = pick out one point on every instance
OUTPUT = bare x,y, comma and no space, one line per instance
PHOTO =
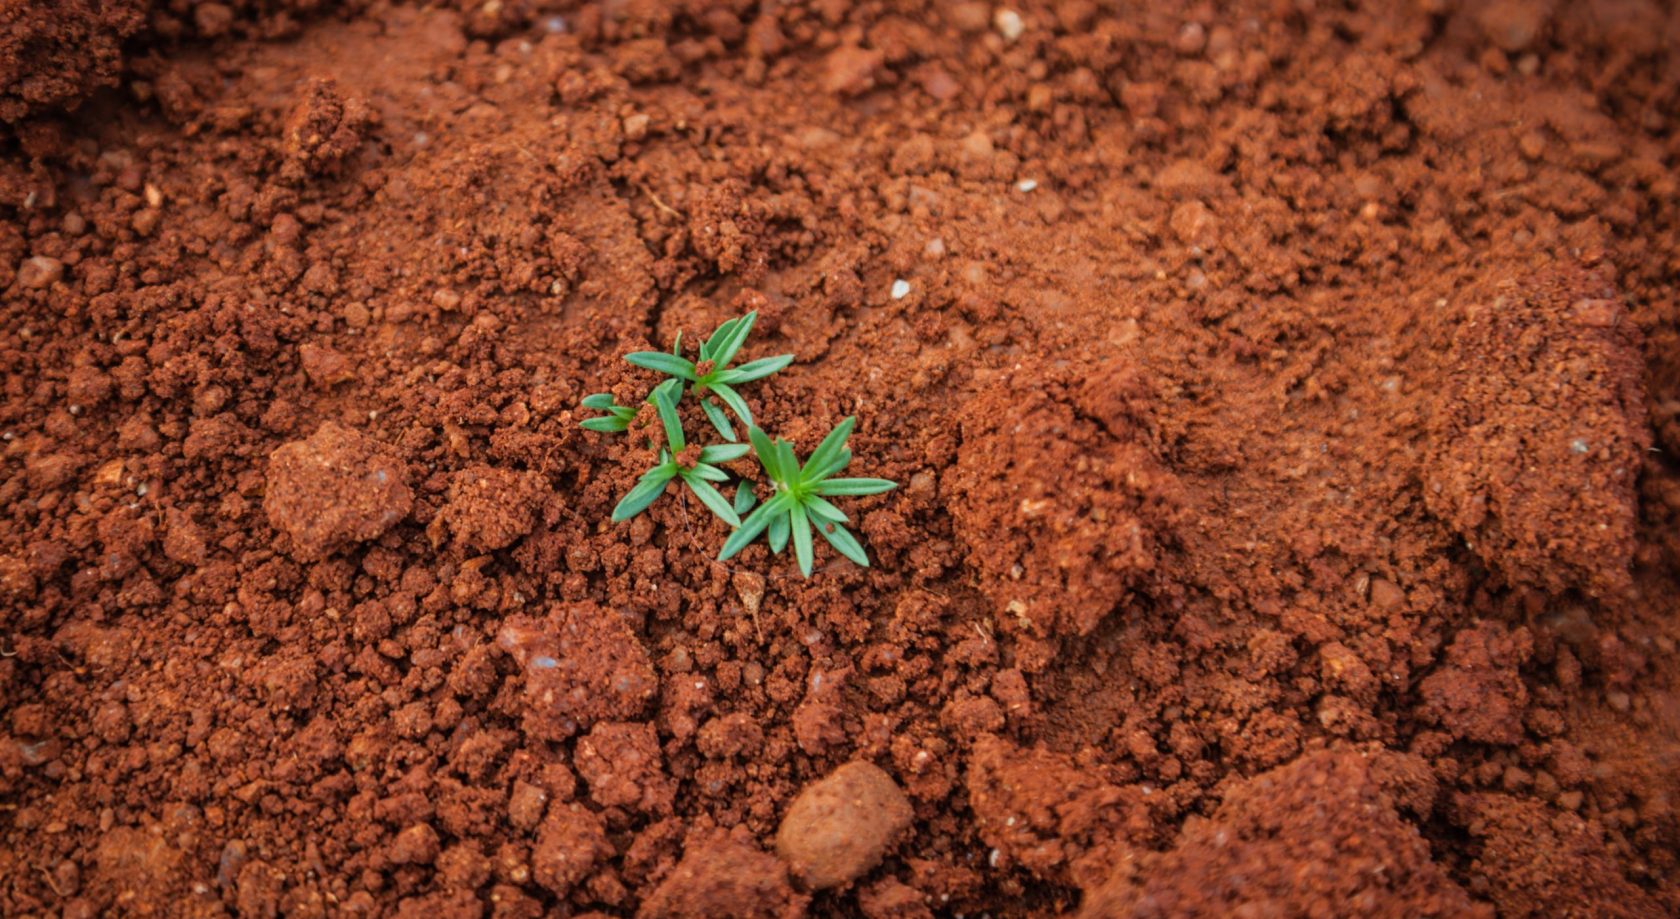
900,289
1026,185
554,25
1008,24
1578,445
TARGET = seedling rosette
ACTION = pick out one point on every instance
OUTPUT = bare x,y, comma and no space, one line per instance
799,499
713,374
697,471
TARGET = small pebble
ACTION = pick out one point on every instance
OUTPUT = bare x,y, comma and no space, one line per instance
840,826
900,289
40,271
1008,24
1191,39
1026,185
145,222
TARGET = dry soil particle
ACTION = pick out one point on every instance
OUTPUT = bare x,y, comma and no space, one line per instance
1535,863
571,840
333,489
1478,692
1318,837
54,54
1048,813
490,508
581,664
1090,508
841,825
1547,505
724,874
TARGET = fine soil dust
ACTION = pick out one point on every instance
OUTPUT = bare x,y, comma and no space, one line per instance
1284,396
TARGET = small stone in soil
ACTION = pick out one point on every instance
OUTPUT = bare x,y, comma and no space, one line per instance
335,488
840,826
416,845
40,271
1008,24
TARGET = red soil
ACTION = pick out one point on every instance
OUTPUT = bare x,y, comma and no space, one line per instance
1285,404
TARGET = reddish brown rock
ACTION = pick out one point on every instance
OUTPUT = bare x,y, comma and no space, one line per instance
334,489
850,70
841,825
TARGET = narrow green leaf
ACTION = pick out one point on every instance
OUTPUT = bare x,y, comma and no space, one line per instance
767,455
639,498
664,471
779,533
672,387
676,345
813,474
624,413
854,486
709,496
719,336
821,510
605,423
801,538
674,440
736,404
752,526
790,462
718,419
848,545
831,445
662,362
726,349
599,402
755,370
723,453
710,473
744,497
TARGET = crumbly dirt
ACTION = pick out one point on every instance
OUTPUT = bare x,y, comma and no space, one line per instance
1285,400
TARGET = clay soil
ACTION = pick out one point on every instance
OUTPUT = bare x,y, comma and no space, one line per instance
1285,404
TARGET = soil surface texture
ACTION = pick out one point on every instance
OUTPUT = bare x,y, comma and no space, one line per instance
1284,397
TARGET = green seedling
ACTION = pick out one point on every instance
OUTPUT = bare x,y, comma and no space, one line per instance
713,374
618,417
697,473
799,498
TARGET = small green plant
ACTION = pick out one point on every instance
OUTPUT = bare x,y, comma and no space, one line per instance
618,417
713,374
799,498
676,461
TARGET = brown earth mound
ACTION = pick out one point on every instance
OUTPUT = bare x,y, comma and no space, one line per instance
1284,401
